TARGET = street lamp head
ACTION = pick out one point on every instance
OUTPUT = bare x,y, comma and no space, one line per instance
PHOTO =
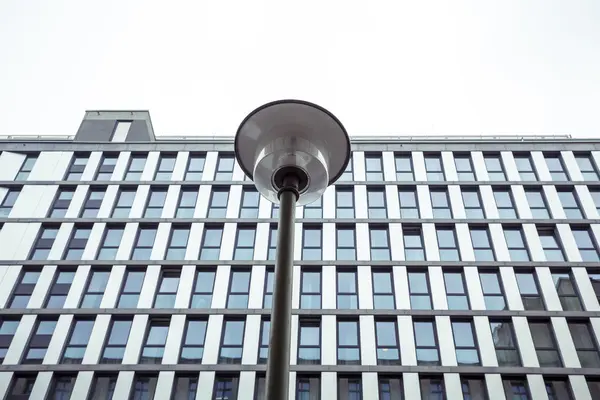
292,138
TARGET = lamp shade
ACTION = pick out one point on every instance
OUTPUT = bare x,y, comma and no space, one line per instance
292,135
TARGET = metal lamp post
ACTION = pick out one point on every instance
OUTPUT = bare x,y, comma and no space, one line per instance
292,150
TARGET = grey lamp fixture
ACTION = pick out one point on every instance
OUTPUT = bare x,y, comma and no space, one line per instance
292,150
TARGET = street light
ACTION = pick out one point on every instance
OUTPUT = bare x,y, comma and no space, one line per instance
292,150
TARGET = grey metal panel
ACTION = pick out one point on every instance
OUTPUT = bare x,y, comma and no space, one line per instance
95,130
139,132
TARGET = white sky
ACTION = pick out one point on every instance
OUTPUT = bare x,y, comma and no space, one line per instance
383,67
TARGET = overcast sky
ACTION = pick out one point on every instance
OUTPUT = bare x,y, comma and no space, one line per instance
383,67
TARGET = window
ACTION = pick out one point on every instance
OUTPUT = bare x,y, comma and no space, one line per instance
132,286
218,203
103,387
432,388
348,174
404,168
187,202
537,203
473,388
376,203
464,343
492,290
346,243
9,201
595,193
314,209
585,244
348,344
472,202
272,251
349,388
60,289
482,245
244,243
344,202
409,207
211,243
250,200
525,167
107,167
308,387
515,389
167,289
587,167
268,296
203,289
544,343
62,386
239,289
185,387
583,338
383,292
192,349
124,203
456,291
77,343
232,341
110,243
309,342
347,296
226,387
418,286
413,244
24,289
26,167
310,288
156,202
61,203
78,163
311,242
380,243
263,349
528,288
92,297
567,292
114,349
22,387
166,164
570,204
516,244
137,162
426,343
144,387
93,203
275,211
195,167
44,243
39,341
7,332
464,167
440,204
144,243
556,167
156,338
178,242
225,164
390,388
594,387
447,244
373,167
504,343
552,248
504,202
433,167
388,352
558,389
493,164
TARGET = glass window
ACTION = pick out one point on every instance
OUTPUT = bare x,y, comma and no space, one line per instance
226,387
348,174
464,167
404,167
567,291
211,243
268,295
310,288
516,244
132,286
447,244
144,387
244,244
232,341
505,344
440,204
413,244
263,349
309,342
390,388
586,346
156,339
492,290
124,203
144,243
178,242
24,289
373,167
528,288
107,167
432,388
558,389
556,167
383,292
62,386
380,243
433,167
504,203
346,243
77,343
474,388
167,289
493,164
8,203
275,211
472,202
314,209
156,202
515,389
92,297
348,350
185,387
61,202
60,289
464,343
349,388
92,204
239,289
344,202
456,291
418,286
311,243
386,338
525,167
585,244
426,343
308,387
39,341
272,250
482,245
570,204
218,203
103,387
44,242
409,207
114,350
192,349
195,167
250,201
587,166
113,234
544,343
203,288
537,203
550,244
137,162
225,164
78,163
26,167
7,332
166,164
347,295
595,193
376,203
187,202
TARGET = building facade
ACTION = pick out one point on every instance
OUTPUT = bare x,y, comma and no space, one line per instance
437,268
